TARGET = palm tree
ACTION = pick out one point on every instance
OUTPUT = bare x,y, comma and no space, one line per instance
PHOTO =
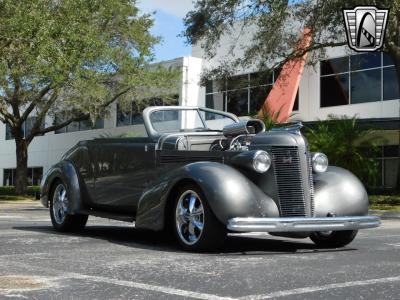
347,145
270,118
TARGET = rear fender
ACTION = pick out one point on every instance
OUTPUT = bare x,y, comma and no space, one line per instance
229,193
64,171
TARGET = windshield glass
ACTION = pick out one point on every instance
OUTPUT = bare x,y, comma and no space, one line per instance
215,121
174,120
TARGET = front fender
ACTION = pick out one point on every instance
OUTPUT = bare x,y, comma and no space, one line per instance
229,193
64,171
339,192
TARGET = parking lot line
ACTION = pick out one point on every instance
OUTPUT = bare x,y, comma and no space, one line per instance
149,287
312,289
125,283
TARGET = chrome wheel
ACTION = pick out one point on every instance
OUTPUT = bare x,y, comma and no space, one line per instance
189,217
60,204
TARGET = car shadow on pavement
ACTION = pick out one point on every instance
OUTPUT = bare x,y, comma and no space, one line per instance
160,241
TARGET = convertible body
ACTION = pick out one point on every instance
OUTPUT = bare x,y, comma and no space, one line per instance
202,168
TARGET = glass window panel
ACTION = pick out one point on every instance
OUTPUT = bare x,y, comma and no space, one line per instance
29,177
277,72
175,120
390,84
37,174
261,78
391,151
366,86
216,121
62,130
99,123
215,101
296,102
335,65
74,126
137,119
238,102
9,135
30,122
238,82
391,172
335,90
258,96
387,60
59,120
29,125
13,171
365,61
8,177
85,125
379,179
123,118
213,86
137,109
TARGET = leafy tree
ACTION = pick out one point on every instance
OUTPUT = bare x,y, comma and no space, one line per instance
347,145
275,27
71,58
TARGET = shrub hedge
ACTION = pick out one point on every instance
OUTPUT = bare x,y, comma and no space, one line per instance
10,190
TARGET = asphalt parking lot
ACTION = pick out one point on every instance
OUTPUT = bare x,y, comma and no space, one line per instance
110,260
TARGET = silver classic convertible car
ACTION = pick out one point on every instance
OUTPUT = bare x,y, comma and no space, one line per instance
202,173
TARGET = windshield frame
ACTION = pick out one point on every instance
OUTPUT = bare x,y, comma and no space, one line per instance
154,134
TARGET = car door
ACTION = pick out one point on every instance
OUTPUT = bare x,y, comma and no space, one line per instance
124,169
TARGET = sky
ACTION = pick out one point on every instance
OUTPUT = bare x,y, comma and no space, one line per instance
168,18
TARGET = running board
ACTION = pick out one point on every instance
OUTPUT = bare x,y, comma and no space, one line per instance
108,215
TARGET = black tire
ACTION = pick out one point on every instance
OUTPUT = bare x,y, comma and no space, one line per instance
213,233
67,223
334,239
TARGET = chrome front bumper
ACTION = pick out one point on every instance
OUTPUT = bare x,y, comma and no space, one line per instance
302,224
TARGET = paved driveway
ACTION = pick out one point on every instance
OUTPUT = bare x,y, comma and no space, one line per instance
110,260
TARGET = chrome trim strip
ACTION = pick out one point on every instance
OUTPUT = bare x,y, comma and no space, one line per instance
302,224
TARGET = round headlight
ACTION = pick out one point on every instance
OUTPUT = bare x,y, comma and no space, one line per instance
261,161
319,162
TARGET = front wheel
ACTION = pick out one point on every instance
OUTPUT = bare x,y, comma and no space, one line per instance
60,218
195,226
333,239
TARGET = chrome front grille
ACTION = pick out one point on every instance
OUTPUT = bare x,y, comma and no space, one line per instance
310,182
287,168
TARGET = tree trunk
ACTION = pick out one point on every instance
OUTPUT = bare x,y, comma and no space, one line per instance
21,175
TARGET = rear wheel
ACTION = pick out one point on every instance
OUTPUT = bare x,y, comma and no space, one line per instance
61,220
333,239
195,226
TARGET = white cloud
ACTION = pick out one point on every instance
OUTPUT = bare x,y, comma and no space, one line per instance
177,8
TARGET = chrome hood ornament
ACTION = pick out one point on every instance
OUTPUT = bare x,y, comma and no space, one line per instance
292,128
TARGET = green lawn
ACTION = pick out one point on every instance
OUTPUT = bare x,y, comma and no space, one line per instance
385,202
